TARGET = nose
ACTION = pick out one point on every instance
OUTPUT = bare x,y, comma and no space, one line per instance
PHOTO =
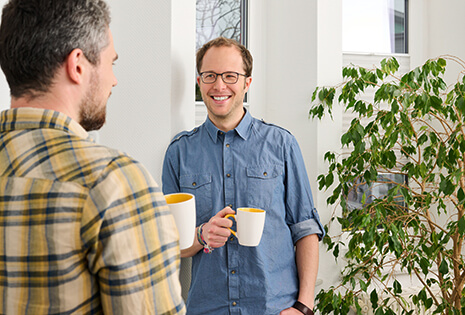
219,83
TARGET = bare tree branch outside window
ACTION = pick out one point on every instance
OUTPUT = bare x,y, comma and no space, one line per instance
218,18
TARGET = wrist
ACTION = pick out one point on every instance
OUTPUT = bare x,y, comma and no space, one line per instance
303,308
206,249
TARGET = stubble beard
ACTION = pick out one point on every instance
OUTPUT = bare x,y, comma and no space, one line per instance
92,114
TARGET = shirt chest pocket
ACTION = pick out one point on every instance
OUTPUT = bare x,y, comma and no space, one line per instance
200,185
262,184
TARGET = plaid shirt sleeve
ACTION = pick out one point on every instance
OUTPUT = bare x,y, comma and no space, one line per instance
132,242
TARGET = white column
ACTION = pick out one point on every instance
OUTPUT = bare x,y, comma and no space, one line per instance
329,131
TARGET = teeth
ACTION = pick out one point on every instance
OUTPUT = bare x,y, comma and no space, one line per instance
220,98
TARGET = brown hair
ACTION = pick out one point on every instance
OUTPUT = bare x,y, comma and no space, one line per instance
247,59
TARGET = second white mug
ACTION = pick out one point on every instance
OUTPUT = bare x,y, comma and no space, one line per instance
250,223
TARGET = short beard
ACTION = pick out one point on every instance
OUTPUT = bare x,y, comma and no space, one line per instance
92,116
92,119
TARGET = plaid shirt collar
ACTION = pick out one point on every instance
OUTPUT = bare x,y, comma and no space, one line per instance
35,118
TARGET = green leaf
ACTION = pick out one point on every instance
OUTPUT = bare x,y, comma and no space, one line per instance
397,287
461,226
329,179
424,265
444,268
460,104
461,195
442,62
374,299
363,285
336,251
446,186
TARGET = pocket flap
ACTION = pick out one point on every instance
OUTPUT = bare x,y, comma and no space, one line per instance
265,171
194,181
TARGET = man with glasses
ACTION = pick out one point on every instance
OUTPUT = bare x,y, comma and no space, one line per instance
234,160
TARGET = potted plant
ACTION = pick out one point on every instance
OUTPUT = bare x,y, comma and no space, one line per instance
408,142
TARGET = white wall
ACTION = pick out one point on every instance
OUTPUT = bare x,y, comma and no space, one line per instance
329,65
139,110
437,28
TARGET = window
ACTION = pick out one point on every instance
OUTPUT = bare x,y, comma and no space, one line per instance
375,26
361,194
227,18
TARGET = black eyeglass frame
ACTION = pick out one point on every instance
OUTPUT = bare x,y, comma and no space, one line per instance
222,78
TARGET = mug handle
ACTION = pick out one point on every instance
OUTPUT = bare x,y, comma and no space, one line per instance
233,216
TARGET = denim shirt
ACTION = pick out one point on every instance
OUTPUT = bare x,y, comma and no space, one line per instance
255,165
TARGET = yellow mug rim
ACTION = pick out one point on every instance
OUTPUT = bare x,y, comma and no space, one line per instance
255,210
176,198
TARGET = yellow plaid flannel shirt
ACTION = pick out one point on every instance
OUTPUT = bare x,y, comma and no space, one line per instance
84,228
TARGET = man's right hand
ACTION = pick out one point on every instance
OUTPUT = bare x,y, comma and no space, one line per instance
215,232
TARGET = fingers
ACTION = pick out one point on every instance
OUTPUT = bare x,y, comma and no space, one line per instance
215,236
224,212
215,231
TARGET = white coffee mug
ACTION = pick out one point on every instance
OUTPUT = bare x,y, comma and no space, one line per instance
250,223
182,206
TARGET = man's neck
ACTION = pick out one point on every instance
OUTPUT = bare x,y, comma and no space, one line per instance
227,123
45,101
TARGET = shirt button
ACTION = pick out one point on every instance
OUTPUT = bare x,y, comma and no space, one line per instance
265,174
227,145
194,184
231,238
234,303
228,175
233,272
230,205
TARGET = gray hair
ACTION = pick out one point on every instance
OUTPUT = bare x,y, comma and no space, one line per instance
36,36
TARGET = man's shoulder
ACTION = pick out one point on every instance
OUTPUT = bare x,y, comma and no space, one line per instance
184,135
271,127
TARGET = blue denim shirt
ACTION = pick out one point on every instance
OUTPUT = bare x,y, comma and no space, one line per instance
255,165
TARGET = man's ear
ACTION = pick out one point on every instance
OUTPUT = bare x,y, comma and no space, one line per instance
75,65
248,81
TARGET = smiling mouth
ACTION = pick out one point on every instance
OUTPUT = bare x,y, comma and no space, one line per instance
220,98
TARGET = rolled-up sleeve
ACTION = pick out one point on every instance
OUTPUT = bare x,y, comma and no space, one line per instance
308,227
301,215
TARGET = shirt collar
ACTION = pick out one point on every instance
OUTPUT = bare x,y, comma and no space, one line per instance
35,118
245,126
243,129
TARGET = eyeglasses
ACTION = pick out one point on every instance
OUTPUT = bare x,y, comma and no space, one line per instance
229,77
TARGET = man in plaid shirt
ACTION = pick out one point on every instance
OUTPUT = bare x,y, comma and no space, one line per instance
84,229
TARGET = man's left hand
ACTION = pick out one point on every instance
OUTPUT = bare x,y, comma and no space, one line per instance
290,311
